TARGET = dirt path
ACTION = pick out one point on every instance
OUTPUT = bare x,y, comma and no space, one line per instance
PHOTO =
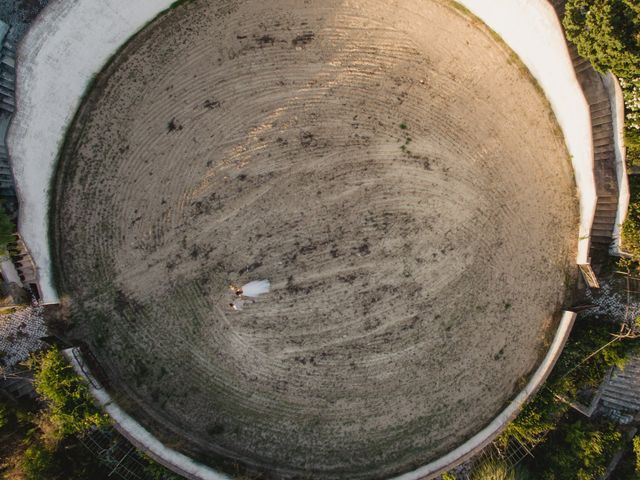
388,167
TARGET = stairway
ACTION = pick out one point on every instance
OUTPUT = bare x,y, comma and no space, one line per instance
604,168
23,262
19,387
621,394
7,107
604,160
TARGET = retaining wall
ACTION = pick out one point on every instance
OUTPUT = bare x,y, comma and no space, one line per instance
73,39
532,30
136,433
617,115
70,42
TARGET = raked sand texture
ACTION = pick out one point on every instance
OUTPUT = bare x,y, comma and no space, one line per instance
390,168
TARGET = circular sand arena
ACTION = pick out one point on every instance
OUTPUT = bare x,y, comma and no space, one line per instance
390,168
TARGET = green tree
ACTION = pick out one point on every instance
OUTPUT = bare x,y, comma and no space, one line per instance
69,405
4,415
38,462
631,226
7,228
492,470
578,451
636,452
607,32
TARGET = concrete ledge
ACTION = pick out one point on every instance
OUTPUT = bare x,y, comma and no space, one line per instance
476,443
136,433
617,114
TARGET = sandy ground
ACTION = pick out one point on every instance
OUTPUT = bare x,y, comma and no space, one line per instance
389,168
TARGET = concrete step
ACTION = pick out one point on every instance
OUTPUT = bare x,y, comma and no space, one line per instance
628,381
603,145
607,211
601,239
627,376
599,103
604,220
602,232
8,62
601,159
632,365
621,394
618,404
581,67
602,134
625,396
601,121
602,128
600,109
9,85
600,112
610,190
7,92
606,203
630,370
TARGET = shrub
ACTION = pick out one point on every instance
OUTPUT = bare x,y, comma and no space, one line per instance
631,226
578,451
4,415
493,470
37,462
606,33
70,408
7,228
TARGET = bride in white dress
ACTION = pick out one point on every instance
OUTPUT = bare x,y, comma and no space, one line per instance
252,289
255,288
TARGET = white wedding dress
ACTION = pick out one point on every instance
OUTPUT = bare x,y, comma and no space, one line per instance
255,288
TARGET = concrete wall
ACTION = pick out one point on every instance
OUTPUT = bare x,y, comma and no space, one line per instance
532,30
66,46
617,114
72,40
135,432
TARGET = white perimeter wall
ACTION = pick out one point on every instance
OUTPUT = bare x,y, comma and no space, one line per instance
68,44
617,114
532,29
73,39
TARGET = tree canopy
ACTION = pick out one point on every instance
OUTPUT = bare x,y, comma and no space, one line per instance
607,32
